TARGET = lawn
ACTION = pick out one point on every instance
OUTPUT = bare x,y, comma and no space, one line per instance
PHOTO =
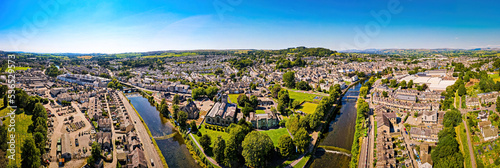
233,98
308,108
299,96
275,134
464,146
260,112
347,83
495,77
303,162
22,123
20,68
213,134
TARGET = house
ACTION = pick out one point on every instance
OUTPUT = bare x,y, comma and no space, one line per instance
483,115
65,146
137,159
424,134
430,117
104,139
191,109
488,131
104,124
263,121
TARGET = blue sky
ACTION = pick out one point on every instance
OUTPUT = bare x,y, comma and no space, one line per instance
116,26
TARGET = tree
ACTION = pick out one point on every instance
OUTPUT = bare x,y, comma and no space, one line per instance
410,84
205,142
176,99
39,141
219,148
289,79
211,91
285,145
175,108
461,90
164,108
194,128
394,83
254,101
30,156
242,99
301,140
452,118
231,153
498,104
95,155
5,101
303,85
402,84
257,147
3,137
384,93
182,118
246,110
197,93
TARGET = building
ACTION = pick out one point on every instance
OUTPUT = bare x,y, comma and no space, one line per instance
488,131
222,113
84,79
430,117
137,159
424,134
263,121
191,109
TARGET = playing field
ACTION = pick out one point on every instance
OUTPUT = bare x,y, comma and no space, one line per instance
299,96
308,108
275,134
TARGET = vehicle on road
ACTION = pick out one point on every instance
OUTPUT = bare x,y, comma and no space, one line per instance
152,163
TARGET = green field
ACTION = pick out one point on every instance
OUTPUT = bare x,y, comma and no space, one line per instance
299,96
213,134
495,77
464,146
275,134
260,112
22,123
20,68
308,108
170,55
233,98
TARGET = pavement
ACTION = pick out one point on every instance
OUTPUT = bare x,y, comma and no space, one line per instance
202,151
149,149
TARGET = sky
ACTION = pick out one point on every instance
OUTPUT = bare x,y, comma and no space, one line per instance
116,26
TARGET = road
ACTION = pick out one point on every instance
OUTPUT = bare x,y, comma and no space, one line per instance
471,151
410,150
149,149
202,151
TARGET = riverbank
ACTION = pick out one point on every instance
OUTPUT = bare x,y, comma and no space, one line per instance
162,158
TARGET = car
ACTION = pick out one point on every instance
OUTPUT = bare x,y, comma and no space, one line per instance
152,163
135,121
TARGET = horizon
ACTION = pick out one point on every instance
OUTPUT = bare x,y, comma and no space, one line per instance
127,26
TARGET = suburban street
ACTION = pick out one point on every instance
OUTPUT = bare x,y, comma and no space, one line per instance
149,149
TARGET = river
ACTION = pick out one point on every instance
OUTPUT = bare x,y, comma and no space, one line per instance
173,149
340,133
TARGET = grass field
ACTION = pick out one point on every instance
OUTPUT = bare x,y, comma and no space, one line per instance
275,134
85,57
170,55
20,68
495,77
213,134
260,112
308,108
22,123
302,162
464,146
233,98
299,96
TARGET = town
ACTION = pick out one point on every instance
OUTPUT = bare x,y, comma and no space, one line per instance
295,107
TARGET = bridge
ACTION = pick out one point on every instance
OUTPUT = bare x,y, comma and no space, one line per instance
351,97
335,152
165,136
